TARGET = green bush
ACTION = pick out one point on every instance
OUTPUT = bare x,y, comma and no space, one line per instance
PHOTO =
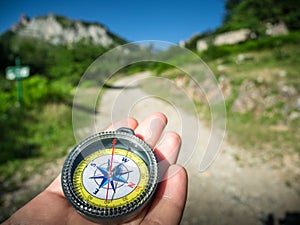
35,89
59,91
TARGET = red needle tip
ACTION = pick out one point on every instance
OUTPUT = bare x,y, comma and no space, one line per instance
114,142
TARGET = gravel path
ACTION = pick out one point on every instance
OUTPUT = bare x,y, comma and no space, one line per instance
236,189
231,191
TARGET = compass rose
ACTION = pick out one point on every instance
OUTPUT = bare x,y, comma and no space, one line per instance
112,177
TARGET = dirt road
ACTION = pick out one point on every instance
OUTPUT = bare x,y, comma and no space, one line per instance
231,191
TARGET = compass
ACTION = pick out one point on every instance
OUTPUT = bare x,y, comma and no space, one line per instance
110,176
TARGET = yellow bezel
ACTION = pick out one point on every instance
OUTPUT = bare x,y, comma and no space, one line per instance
98,202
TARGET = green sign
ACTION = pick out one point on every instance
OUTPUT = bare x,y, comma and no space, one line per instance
17,72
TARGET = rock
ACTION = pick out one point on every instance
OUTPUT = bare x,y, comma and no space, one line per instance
225,86
180,81
276,29
206,91
227,38
202,45
221,68
195,92
286,109
260,80
294,115
60,30
296,104
286,91
237,36
232,37
250,98
182,43
243,57
282,73
270,101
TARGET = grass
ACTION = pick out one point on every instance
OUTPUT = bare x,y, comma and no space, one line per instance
49,132
271,131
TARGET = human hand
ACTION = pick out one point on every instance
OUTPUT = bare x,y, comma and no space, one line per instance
51,207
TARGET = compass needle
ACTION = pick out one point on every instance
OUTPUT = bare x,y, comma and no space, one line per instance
121,173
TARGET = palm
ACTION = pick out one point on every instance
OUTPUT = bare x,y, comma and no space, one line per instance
51,207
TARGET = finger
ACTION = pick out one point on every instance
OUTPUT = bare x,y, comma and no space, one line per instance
151,128
55,187
168,205
168,148
167,152
128,122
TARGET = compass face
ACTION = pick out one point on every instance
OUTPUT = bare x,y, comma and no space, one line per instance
110,175
107,184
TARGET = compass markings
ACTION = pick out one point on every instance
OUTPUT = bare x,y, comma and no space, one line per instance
131,185
96,191
125,159
112,176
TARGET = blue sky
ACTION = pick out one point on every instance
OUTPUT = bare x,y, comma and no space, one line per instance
133,20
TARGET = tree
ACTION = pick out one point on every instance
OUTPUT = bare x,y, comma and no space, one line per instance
254,14
229,6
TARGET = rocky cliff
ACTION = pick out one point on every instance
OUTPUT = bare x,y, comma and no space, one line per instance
61,30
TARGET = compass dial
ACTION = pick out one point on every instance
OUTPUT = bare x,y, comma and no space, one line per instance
110,175
110,184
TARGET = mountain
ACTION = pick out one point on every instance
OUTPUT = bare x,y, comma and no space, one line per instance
60,30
